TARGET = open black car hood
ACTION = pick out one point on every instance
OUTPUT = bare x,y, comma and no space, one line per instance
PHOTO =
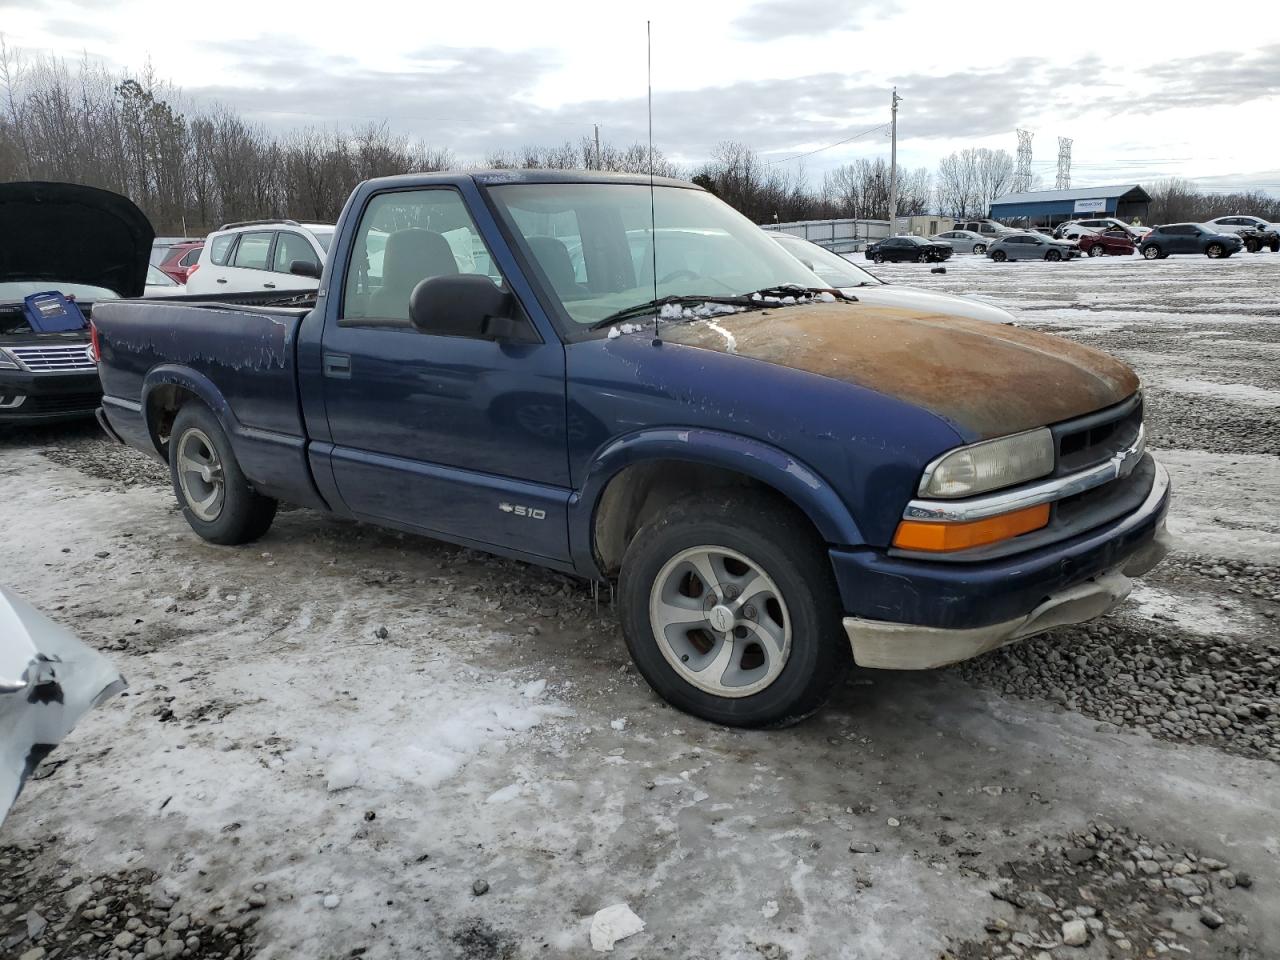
74,234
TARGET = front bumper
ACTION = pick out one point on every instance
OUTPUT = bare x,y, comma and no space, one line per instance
916,615
27,397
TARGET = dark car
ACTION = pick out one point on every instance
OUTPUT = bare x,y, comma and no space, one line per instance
1189,238
1260,238
913,249
1113,243
180,258
88,245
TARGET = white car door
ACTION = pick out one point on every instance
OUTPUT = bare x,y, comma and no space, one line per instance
291,246
249,270
212,267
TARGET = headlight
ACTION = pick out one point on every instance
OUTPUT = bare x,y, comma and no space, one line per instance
8,361
990,465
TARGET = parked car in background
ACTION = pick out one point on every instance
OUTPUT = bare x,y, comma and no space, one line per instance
160,284
1074,229
1112,243
1189,238
46,371
987,228
180,258
1031,246
963,241
1238,222
1256,239
258,255
161,246
913,487
908,249
851,280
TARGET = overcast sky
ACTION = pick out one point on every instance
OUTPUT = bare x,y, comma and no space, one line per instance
1144,90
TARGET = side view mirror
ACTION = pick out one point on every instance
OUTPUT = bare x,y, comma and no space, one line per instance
305,268
464,305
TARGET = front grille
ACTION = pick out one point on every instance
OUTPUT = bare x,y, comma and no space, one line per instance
1089,441
45,359
61,403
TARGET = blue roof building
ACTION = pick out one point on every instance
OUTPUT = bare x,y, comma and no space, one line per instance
1124,201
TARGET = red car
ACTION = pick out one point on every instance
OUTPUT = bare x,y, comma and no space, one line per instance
1113,243
181,257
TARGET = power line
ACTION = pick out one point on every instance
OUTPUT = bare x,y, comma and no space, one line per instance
856,136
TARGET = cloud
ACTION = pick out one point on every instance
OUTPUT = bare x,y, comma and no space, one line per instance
775,19
1224,79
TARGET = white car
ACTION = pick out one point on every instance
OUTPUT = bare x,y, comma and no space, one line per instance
261,255
1235,224
1074,229
160,284
847,277
964,241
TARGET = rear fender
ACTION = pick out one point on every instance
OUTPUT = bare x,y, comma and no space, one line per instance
796,481
194,382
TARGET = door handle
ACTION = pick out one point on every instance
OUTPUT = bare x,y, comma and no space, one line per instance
337,365
222,279
269,286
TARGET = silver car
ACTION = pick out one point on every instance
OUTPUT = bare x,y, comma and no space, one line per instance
1031,246
964,241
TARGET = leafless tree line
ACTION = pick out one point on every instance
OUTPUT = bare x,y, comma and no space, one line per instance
191,167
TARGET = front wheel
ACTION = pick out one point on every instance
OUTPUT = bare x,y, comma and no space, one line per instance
730,610
1096,250
999,256
1253,246
979,248
1214,251
879,258
1151,252
218,502
1053,256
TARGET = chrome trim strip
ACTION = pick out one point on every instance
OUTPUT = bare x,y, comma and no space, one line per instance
1032,495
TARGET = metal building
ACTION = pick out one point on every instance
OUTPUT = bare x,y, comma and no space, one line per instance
1048,208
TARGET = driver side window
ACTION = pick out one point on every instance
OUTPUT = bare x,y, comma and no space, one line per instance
404,238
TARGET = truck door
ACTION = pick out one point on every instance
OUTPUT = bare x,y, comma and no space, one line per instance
449,435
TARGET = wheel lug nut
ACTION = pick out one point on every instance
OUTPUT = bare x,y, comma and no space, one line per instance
749,612
730,591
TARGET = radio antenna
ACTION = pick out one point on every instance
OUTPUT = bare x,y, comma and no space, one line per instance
653,219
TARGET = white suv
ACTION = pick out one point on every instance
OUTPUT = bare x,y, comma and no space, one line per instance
259,255
1239,222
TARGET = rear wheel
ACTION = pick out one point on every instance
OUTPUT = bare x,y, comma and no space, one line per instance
979,248
1096,250
999,256
1151,252
730,610
218,502
1214,251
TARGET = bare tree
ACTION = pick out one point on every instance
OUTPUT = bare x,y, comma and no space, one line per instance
969,180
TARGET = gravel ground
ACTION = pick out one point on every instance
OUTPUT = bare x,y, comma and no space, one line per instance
359,743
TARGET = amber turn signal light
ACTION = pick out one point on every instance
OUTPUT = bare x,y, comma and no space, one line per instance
942,537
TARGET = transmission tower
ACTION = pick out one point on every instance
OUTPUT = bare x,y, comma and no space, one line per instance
1022,175
1064,164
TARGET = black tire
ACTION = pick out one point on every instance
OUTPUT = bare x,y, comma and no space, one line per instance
1096,250
1215,251
979,248
1275,246
922,256
779,541
1053,256
244,515
1253,246
1152,252
878,258
999,256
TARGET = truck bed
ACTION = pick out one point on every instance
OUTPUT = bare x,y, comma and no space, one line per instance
239,358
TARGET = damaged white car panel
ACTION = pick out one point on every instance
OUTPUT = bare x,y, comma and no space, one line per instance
49,679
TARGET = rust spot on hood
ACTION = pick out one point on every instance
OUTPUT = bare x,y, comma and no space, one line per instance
987,378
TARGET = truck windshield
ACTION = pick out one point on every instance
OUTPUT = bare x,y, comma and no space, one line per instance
594,244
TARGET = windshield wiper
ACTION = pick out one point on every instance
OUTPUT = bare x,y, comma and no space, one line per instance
753,300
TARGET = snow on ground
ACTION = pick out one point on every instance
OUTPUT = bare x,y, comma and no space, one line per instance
420,751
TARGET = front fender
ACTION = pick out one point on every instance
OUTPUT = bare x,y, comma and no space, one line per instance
796,481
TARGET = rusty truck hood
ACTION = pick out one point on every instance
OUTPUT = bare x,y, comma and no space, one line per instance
988,379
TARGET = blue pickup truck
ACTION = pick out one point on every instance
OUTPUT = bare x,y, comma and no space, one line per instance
632,383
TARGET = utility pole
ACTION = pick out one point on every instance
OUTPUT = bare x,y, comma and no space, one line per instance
893,163
597,126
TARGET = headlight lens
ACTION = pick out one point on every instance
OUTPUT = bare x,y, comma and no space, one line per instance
8,361
990,465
